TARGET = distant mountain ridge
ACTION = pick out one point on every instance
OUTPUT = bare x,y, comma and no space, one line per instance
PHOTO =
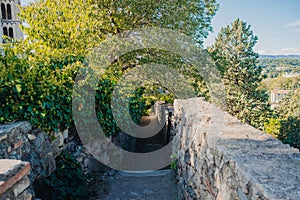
280,56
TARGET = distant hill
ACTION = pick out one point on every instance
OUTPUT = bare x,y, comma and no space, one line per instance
274,66
280,56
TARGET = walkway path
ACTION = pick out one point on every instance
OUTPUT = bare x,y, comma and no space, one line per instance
156,185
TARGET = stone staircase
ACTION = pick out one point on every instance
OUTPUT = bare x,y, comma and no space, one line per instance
143,185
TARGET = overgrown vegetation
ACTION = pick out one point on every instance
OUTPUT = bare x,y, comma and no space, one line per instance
38,72
40,94
67,182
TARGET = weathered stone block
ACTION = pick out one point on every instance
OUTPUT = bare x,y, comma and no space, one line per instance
21,186
13,178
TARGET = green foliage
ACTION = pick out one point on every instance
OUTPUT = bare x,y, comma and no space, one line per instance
61,27
289,110
289,132
272,127
146,56
173,165
40,94
285,125
68,181
281,83
290,105
234,56
103,97
278,66
37,74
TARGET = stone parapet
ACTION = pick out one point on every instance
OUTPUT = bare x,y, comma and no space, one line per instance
221,158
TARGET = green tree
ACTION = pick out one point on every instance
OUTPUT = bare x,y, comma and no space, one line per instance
63,27
40,94
289,131
281,83
234,56
60,33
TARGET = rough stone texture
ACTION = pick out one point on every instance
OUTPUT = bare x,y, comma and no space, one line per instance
14,181
222,158
21,142
87,162
72,145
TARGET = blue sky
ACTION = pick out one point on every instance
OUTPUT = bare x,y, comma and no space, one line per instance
275,22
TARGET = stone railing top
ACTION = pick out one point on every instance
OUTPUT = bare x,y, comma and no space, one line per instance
259,159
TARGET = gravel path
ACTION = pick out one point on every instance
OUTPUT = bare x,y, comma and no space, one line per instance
156,185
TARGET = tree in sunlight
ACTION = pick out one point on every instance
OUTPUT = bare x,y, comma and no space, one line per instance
234,56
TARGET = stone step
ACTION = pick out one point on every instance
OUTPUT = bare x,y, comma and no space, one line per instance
165,172
142,185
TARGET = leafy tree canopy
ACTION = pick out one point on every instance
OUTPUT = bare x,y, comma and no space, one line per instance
281,83
41,69
66,27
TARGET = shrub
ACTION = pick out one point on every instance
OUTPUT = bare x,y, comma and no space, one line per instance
289,132
68,180
40,94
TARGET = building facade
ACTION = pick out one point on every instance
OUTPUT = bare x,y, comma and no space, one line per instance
277,95
10,23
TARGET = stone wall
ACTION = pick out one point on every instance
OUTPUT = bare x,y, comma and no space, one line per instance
222,158
19,141
14,181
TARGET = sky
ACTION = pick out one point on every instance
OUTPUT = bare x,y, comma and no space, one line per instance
276,23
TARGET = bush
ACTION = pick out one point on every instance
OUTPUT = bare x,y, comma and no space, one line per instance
68,180
289,132
40,94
